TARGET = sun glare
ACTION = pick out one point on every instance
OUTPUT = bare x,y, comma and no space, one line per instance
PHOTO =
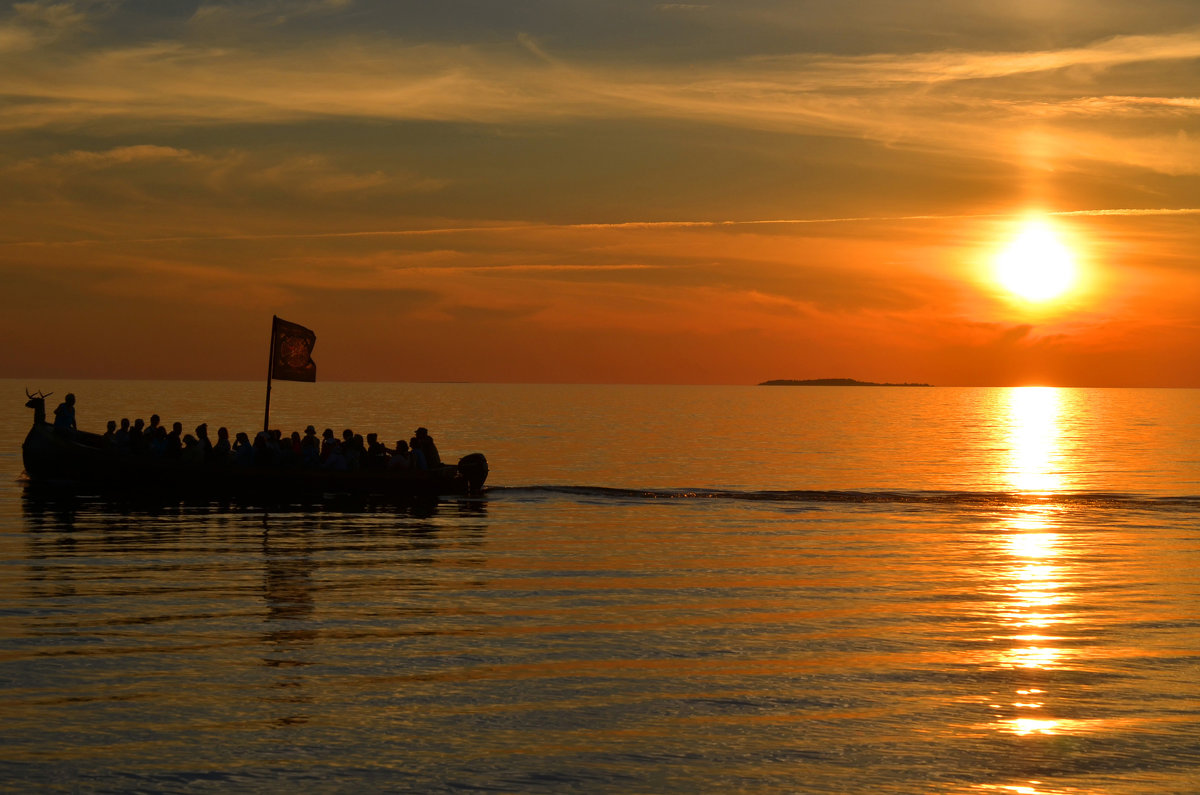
1036,265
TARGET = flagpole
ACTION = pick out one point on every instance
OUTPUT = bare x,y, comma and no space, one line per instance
270,372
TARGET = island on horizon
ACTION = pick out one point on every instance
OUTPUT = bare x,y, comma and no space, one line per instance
830,382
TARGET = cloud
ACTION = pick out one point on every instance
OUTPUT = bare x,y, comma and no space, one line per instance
953,66
150,170
353,181
49,15
121,155
263,12
882,96
35,25
1108,106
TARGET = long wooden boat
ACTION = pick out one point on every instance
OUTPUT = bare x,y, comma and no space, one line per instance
82,460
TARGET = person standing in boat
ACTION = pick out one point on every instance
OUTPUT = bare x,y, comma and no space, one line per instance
64,415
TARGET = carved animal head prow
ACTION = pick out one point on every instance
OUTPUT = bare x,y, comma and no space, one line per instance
38,404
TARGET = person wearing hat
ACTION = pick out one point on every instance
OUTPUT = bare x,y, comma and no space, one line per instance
310,449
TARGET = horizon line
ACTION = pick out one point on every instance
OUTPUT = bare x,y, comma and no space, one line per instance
591,383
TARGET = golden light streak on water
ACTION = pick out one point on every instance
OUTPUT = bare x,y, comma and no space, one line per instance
1032,544
1035,455
1031,787
1025,726
1033,656
1035,581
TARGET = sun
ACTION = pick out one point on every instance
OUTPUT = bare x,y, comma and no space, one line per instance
1036,265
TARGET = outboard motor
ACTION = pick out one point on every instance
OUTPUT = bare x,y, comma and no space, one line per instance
473,469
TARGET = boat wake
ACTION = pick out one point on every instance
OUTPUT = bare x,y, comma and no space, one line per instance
982,500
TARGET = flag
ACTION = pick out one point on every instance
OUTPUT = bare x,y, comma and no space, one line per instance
291,352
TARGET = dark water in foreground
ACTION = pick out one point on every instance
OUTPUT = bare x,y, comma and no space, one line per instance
664,589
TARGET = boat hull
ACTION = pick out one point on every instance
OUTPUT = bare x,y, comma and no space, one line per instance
82,461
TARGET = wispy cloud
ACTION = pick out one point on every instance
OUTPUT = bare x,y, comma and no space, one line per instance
151,168
507,229
885,97
267,12
34,25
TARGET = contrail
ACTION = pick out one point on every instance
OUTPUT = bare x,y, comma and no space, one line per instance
533,227
1180,211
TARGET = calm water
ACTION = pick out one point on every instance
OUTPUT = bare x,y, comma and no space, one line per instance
682,589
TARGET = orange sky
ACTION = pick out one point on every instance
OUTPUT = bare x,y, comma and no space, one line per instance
604,192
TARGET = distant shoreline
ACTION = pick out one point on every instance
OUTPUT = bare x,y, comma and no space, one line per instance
830,382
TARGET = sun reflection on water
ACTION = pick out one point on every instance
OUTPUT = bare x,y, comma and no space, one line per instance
1034,586
1033,726
1034,437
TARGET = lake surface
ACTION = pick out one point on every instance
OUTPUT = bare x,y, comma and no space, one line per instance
664,589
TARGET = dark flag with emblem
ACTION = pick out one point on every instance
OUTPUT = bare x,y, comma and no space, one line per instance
291,358
291,352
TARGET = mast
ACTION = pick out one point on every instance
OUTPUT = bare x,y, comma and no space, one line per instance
270,372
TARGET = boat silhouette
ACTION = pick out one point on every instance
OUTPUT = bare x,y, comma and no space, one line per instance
80,460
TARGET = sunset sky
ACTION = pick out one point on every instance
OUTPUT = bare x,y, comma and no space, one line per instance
616,191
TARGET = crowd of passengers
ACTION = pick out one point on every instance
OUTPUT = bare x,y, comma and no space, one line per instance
272,448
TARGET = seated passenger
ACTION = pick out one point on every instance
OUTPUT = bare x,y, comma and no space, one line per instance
279,449
400,459
356,452
139,440
222,450
377,453
424,442
64,415
416,455
156,445
175,440
192,452
243,451
288,452
121,437
328,443
263,454
110,434
310,449
336,460
203,440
